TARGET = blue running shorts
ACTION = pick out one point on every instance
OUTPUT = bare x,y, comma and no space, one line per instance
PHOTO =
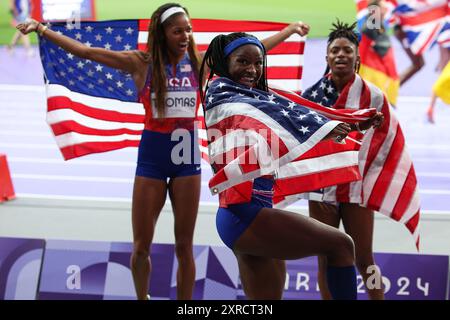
161,158
231,222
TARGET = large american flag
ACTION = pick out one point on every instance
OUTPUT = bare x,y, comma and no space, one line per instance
93,108
389,183
252,133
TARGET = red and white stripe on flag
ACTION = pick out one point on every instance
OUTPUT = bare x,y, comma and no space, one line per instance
83,124
389,183
284,62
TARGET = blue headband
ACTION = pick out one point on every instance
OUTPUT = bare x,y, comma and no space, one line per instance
233,45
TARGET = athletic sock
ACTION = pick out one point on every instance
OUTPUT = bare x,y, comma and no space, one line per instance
342,282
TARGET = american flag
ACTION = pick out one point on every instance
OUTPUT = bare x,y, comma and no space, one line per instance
389,183
425,22
93,108
254,133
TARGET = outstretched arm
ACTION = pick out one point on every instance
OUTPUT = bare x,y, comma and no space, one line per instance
298,27
123,60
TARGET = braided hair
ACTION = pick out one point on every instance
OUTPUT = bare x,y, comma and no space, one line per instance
217,63
343,30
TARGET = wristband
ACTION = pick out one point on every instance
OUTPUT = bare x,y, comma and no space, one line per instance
41,33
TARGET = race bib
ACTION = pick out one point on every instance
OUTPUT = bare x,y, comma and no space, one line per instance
179,104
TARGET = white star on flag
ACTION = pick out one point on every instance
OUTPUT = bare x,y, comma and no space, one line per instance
285,113
322,85
291,105
304,130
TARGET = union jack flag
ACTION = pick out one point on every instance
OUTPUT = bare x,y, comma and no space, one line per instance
389,183
253,133
425,22
93,108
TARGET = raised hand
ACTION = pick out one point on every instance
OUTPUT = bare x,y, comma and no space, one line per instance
299,27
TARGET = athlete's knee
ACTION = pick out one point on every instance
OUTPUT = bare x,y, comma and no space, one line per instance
348,245
183,248
343,250
141,250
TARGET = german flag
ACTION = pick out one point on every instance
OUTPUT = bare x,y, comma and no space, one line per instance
379,69
377,56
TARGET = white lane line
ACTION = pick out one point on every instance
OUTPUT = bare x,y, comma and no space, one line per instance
429,146
434,191
17,133
23,114
28,145
16,87
434,160
109,163
131,180
99,199
77,178
433,174
78,198
51,146
22,122
73,162
70,178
